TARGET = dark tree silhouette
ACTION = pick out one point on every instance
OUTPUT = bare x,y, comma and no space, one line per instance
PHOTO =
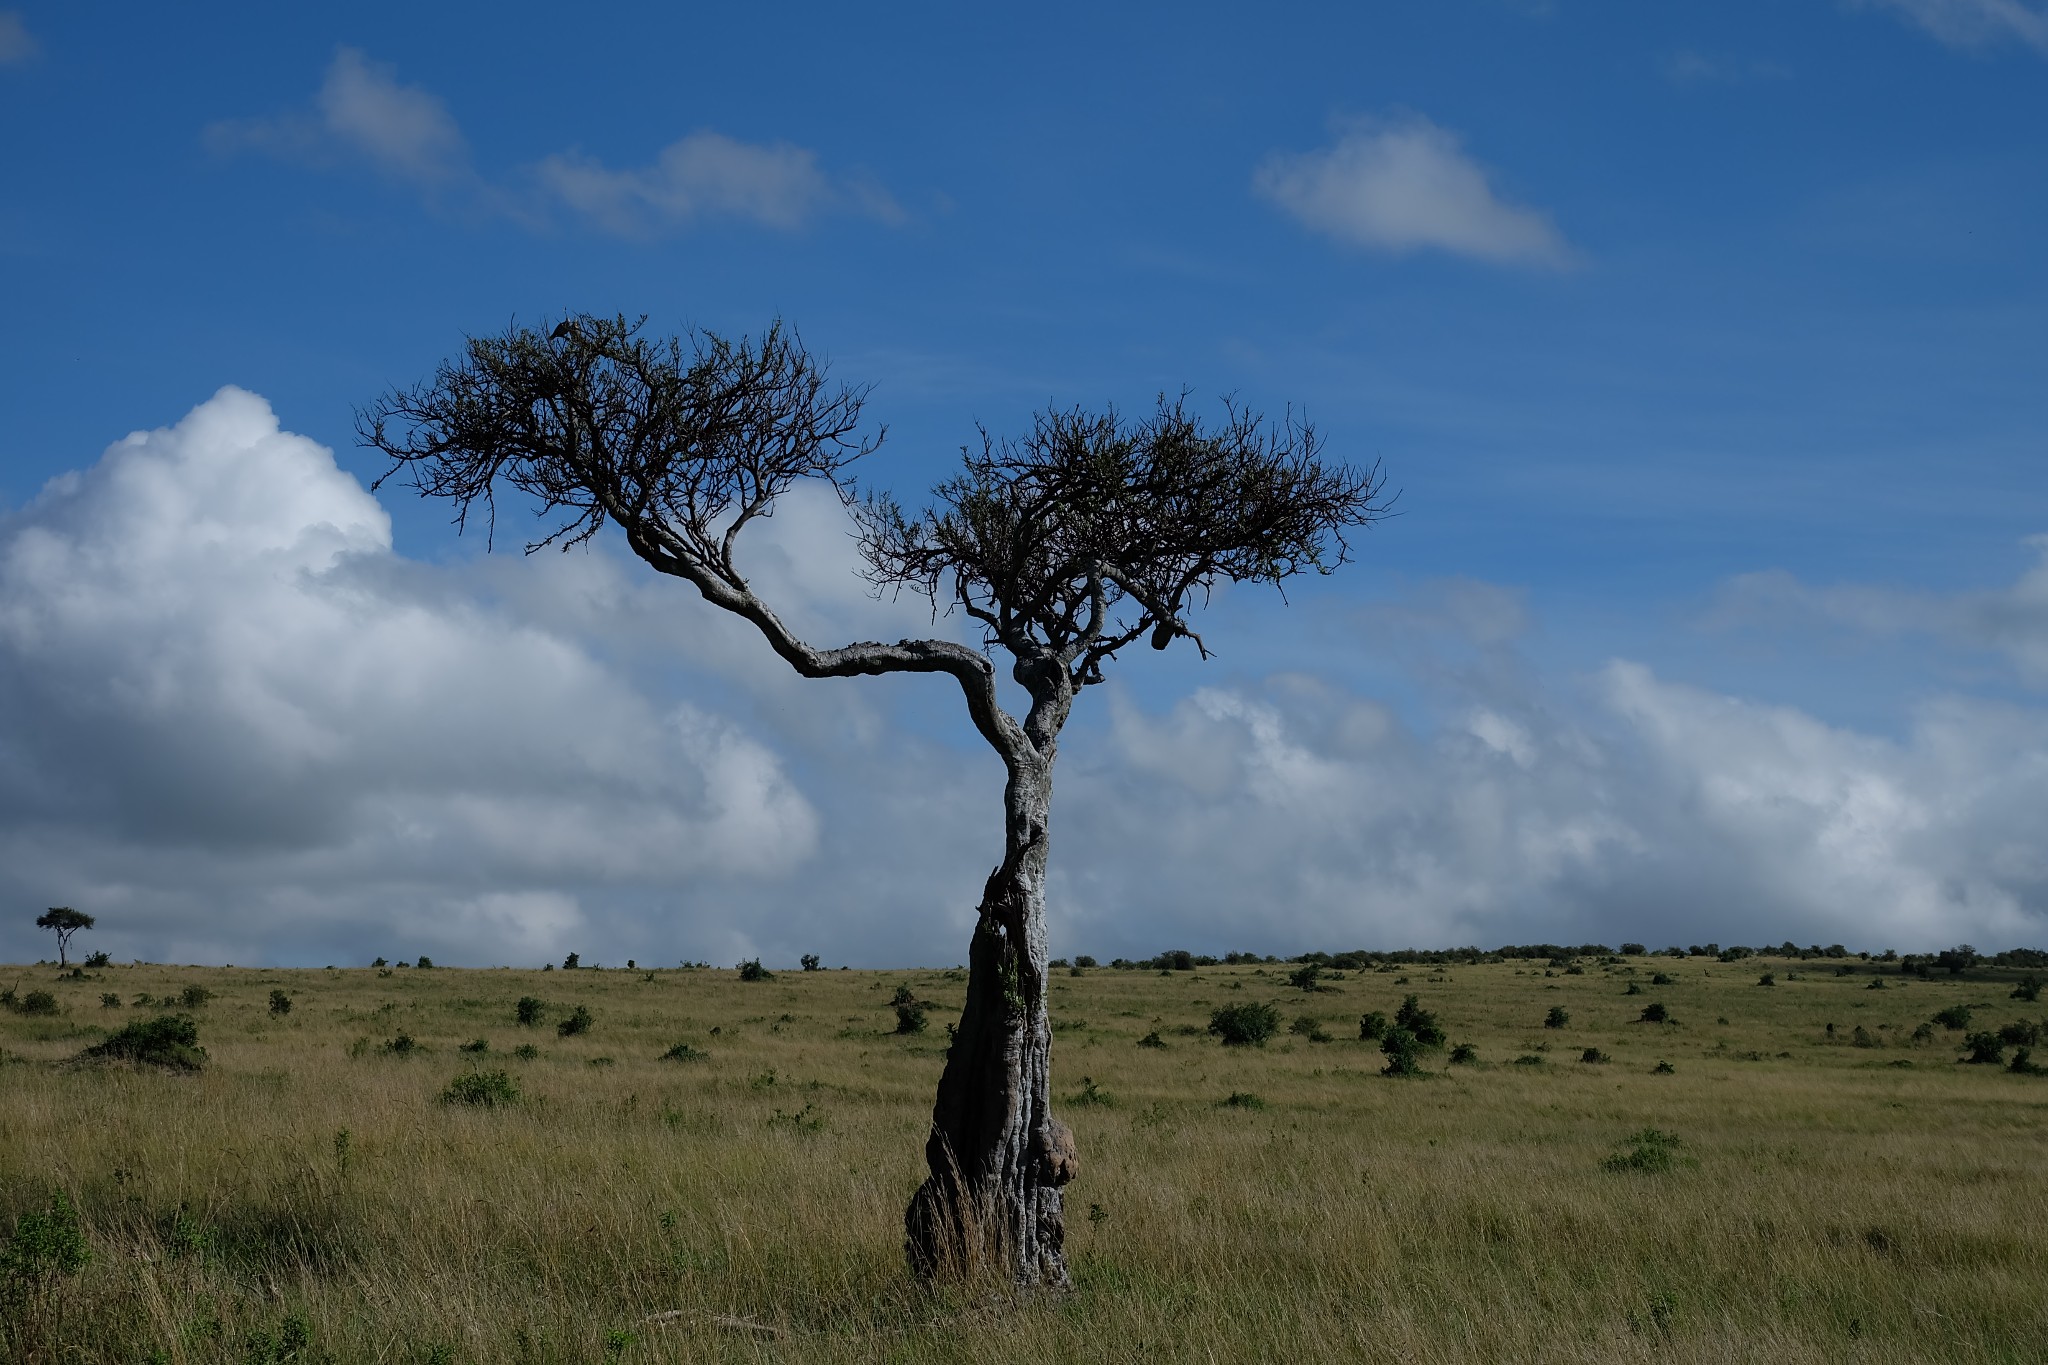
63,921
1065,545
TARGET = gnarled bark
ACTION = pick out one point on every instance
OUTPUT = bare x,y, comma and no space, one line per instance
998,1159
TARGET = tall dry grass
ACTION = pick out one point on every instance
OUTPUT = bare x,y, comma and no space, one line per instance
1831,1205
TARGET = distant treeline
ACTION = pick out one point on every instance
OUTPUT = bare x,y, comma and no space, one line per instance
1954,960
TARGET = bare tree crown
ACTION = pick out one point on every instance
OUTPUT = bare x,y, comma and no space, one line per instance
1064,545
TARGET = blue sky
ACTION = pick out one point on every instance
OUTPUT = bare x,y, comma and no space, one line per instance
1705,344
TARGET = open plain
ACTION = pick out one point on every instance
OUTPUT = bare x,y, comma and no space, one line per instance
316,1194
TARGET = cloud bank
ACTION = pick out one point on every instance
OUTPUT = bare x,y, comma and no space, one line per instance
363,112
239,726
1407,185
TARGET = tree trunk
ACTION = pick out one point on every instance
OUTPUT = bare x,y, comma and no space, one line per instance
997,1157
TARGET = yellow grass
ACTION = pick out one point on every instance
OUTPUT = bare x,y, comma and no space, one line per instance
747,1206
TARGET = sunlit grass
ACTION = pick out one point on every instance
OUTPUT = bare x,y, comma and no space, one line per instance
746,1204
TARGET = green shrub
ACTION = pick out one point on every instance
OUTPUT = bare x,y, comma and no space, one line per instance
1955,1018
1420,1022
109,1000
1309,1027
194,996
1528,1059
1593,1056
1241,1099
404,1045
752,970
1403,1051
2028,990
1244,1025
526,1052
475,1045
1634,988
910,1017
36,1002
810,962
1924,1034
579,1021
487,1088
1986,1049
1876,984
2021,1033
1650,1151
529,1010
1767,979
280,1003
1663,979
1663,1069
1557,1018
1464,1054
1304,978
98,960
683,1052
1091,1094
2023,1063
1372,1027
1152,1039
169,1041
1654,1013
44,1246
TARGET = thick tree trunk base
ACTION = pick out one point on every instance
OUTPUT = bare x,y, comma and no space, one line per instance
998,1160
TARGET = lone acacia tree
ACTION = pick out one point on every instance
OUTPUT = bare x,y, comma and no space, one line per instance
63,921
1065,545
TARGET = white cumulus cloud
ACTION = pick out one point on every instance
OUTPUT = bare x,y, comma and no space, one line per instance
1407,185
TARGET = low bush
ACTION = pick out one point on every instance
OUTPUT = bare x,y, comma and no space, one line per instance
683,1052
475,1045
1244,1025
1241,1099
1403,1051
1091,1094
280,1003
109,1000
529,1010
1955,1018
1557,1018
404,1045
169,1041
1593,1056
45,1245
1464,1054
1663,1069
2023,1063
1663,979
1654,1013
1528,1059
579,1021
1986,1049
1152,1039
487,1088
1420,1022
526,1052
1372,1027
1309,1027
910,1017
2028,990
752,970
1767,979
36,1002
1305,978
2021,1033
195,996
1650,1151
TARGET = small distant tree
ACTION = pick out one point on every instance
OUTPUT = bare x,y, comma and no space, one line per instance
1557,1018
572,962
809,962
63,921
1089,533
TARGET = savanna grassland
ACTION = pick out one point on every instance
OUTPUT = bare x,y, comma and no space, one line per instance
311,1194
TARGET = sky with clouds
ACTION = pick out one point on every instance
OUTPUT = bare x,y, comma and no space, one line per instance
1704,342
